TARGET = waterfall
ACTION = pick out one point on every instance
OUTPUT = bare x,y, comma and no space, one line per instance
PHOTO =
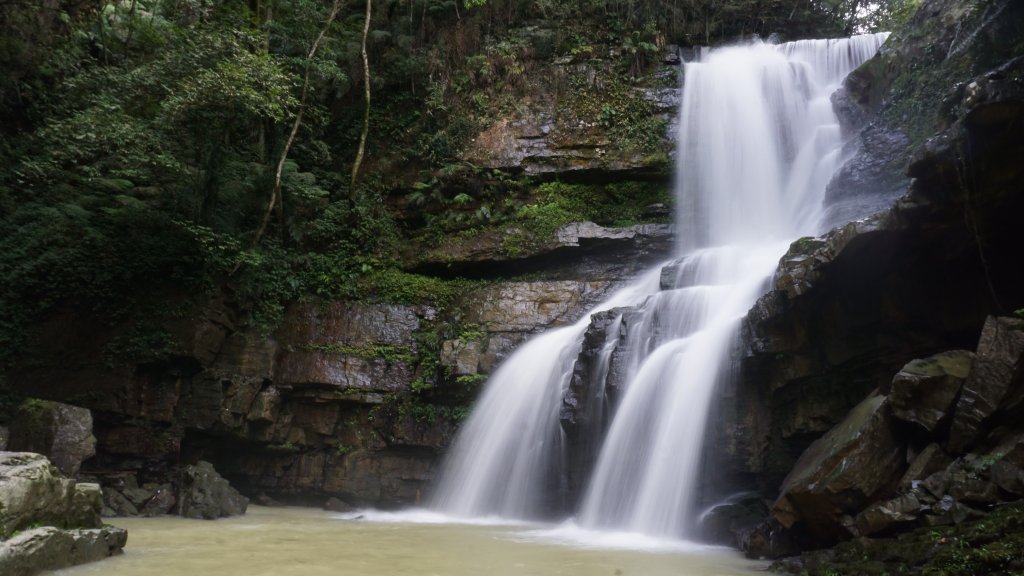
758,143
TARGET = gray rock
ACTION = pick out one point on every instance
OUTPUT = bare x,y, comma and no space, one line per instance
931,460
885,516
1008,477
841,472
337,505
731,521
996,367
116,504
32,492
61,432
161,503
86,505
206,495
937,484
50,548
924,391
137,496
967,484
462,356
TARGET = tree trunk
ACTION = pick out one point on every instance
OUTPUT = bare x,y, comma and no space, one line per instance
275,192
366,110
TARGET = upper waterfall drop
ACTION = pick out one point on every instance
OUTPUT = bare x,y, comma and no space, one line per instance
758,143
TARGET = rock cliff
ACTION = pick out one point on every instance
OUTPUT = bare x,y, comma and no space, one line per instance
851,309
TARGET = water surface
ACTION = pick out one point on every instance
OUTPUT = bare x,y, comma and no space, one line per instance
308,542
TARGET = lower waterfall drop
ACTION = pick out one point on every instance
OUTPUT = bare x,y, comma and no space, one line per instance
758,142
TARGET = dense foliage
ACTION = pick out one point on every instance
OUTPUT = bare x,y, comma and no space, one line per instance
138,138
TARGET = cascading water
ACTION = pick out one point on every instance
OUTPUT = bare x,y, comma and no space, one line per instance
758,143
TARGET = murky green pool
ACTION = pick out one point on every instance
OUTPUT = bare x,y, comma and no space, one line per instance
307,542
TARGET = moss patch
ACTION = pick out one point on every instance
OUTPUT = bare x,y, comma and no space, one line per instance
993,545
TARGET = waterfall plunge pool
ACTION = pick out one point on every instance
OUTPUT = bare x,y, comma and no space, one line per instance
310,542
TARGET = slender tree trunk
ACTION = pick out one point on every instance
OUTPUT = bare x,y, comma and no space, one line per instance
366,110
131,24
275,192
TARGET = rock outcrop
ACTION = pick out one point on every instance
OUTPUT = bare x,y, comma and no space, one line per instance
204,494
47,521
896,462
61,432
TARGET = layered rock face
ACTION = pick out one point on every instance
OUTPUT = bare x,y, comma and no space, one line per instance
341,401
47,521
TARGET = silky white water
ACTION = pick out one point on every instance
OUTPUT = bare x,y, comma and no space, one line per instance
758,142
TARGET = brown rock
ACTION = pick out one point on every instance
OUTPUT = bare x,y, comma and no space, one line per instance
931,460
924,391
996,367
532,306
61,432
336,505
883,516
841,472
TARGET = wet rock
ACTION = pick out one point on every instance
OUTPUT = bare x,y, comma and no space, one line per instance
462,356
937,484
580,248
32,491
671,56
996,367
206,495
247,355
584,403
49,548
337,505
1008,476
968,484
800,268
527,307
537,140
873,177
769,539
841,472
885,516
161,503
116,504
61,432
86,504
136,495
931,460
734,519
949,511
924,391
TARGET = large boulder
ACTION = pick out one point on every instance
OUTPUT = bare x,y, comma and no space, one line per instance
50,548
924,391
206,495
60,431
842,472
32,492
997,368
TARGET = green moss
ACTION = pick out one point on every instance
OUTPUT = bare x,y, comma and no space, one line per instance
387,352
559,203
400,287
993,545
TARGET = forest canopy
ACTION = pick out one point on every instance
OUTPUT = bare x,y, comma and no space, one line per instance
140,139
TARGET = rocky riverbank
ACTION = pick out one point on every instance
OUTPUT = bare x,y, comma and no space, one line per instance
47,521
